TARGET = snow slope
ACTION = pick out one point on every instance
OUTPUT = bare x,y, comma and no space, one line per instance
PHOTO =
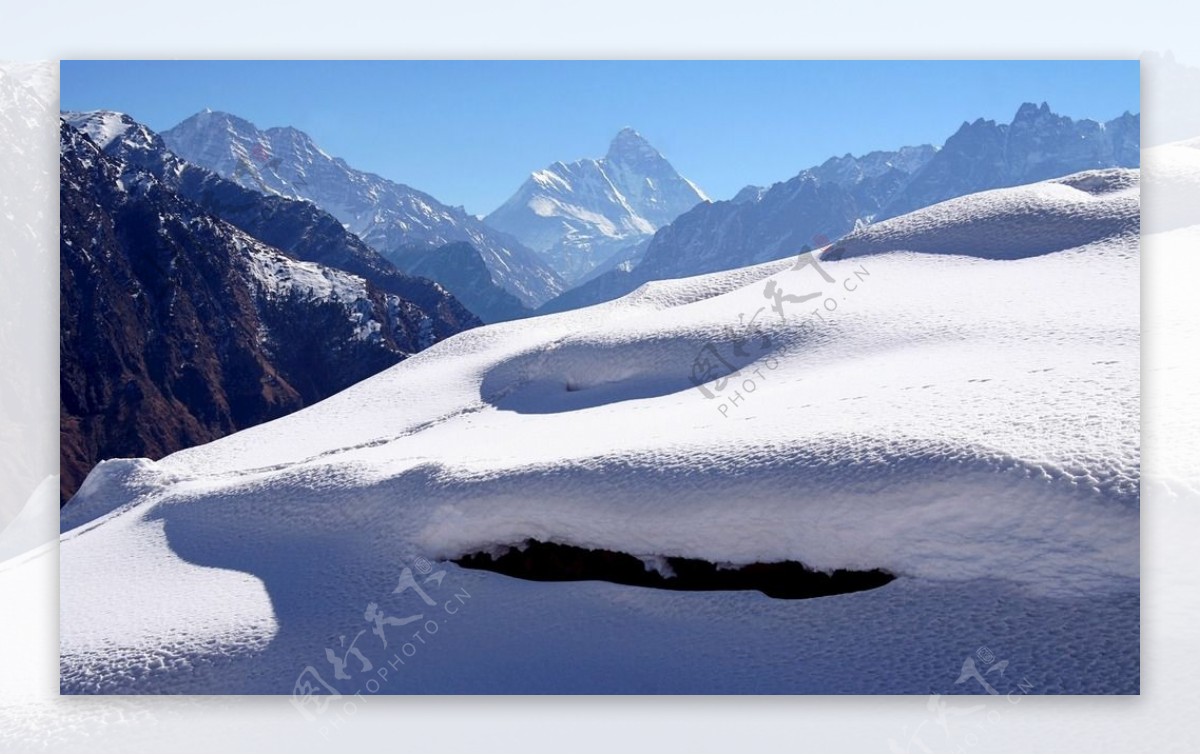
969,423
1024,221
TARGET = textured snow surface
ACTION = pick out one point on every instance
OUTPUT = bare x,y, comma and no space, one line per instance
967,421
1015,222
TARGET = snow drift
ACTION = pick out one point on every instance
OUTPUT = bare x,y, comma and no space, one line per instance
1011,223
954,402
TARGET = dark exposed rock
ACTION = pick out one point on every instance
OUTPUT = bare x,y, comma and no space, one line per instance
1036,146
297,227
178,327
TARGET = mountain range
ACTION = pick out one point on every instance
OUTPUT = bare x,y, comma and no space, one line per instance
827,201
579,214
323,264
386,215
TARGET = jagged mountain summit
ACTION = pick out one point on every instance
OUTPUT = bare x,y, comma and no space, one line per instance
874,179
832,199
387,215
180,323
650,183
580,214
1038,144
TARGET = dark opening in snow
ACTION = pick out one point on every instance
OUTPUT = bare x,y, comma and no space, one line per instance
787,580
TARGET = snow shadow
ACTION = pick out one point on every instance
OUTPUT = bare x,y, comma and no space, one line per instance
326,545
318,560
589,373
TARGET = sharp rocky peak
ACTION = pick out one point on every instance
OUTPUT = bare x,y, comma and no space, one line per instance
628,144
1029,111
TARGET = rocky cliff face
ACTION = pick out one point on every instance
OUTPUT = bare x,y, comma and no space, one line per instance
297,227
1037,145
178,327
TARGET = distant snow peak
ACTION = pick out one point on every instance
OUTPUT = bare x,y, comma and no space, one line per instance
579,214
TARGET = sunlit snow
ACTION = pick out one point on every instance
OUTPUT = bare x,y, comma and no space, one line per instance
967,421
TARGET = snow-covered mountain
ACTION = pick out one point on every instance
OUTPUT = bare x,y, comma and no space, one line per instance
873,179
966,422
180,323
722,235
579,214
296,227
830,200
385,214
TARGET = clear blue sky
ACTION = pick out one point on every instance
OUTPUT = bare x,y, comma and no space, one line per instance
469,132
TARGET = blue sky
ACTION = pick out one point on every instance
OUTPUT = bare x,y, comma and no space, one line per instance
469,132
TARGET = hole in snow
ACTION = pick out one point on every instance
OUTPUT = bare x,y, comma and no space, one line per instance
553,562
